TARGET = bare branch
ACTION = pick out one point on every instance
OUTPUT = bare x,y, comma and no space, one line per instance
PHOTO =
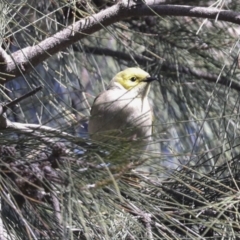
17,100
26,59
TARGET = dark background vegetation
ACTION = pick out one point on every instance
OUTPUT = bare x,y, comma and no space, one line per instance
55,184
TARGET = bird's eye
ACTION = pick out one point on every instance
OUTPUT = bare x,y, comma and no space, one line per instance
133,79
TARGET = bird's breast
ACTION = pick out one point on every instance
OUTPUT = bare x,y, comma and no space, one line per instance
122,112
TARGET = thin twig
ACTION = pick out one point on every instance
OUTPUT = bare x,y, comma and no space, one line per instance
17,100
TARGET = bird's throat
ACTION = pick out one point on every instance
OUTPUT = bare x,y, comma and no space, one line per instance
144,95
146,91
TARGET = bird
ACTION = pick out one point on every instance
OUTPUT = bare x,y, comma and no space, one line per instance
122,112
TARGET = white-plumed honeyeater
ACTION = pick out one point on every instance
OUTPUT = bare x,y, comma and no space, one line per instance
122,112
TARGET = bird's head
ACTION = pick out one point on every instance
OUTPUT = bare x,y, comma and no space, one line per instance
133,78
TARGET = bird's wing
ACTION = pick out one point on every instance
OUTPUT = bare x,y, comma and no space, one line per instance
94,101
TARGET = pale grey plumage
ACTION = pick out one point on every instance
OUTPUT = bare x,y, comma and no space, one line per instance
122,111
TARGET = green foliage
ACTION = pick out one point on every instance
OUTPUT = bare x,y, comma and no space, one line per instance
187,184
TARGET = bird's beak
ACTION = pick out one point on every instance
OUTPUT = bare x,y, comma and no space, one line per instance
150,79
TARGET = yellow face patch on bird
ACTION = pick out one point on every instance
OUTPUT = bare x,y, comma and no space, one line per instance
132,77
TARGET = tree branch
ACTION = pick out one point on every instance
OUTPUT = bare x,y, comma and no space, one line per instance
26,59
165,66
